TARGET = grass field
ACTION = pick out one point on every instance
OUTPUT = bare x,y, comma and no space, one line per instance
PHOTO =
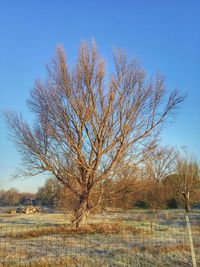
114,238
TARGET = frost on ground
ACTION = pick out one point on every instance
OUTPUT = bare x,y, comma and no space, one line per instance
113,239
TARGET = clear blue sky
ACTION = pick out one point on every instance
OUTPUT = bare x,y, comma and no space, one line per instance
164,35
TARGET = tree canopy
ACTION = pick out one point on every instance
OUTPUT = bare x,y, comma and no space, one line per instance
90,122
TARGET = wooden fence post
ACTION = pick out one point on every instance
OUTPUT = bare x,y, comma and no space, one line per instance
194,264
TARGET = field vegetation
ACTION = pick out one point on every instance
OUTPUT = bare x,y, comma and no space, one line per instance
115,238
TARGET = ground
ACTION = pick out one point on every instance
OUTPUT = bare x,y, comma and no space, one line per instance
113,238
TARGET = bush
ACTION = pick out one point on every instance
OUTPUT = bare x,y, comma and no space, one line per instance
172,204
141,204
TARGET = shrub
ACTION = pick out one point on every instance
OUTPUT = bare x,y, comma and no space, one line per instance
172,204
141,204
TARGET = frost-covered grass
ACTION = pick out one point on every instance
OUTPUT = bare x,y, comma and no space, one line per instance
37,218
135,238
118,257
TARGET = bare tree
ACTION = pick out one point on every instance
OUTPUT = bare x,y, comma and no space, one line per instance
160,163
121,191
87,122
48,193
186,179
10,197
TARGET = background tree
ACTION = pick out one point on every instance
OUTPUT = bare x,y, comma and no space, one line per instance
121,191
48,193
158,164
186,179
14,197
10,197
88,122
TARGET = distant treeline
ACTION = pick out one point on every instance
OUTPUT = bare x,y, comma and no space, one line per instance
125,194
13,197
165,180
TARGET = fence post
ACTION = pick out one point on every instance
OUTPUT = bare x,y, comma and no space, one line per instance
194,264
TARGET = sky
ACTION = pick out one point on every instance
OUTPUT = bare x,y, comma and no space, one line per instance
163,35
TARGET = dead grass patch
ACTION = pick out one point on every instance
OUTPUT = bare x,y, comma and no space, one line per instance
58,262
162,249
105,229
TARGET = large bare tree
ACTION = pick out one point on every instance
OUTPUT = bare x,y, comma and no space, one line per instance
88,122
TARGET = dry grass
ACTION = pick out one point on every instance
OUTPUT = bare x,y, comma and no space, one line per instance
105,229
120,258
109,240
162,250
58,262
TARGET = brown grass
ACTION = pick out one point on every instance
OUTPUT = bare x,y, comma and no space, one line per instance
162,249
105,229
58,262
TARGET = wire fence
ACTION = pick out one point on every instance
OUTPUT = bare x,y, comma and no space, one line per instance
143,244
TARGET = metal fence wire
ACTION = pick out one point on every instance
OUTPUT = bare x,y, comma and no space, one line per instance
141,244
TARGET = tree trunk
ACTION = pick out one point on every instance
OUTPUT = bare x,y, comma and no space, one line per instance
187,201
82,211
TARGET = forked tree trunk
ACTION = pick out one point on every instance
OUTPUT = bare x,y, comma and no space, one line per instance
187,201
82,211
